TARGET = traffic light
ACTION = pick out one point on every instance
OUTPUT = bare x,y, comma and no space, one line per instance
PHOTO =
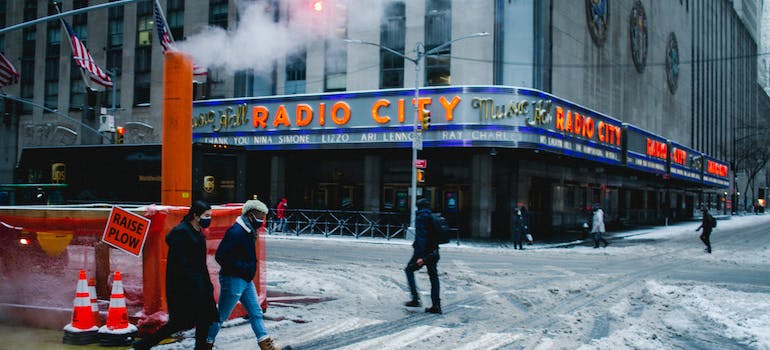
425,119
318,5
119,133
420,176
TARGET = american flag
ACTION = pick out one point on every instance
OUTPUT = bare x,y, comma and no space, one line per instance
166,39
8,74
84,59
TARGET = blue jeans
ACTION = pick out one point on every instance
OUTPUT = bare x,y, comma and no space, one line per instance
233,289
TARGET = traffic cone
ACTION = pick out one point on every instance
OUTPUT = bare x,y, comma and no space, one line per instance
82,329
117,331
94,303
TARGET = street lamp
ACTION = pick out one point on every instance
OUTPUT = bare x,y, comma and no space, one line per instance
420,54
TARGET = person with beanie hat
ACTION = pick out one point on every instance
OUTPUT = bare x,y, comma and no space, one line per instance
237,256
425,253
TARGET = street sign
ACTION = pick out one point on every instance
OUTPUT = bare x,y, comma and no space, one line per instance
420,163
126,231
417,143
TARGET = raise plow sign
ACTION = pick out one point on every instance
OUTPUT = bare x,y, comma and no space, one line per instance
126,231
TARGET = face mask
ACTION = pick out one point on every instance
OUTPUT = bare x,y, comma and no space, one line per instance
255,222
204,222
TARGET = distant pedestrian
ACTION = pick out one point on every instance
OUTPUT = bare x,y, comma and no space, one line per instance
597,229
527,227
518,229
707,224
280,213
237,256
189,292
425,253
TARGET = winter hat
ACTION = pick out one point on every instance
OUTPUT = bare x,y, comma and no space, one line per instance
423,203
254,204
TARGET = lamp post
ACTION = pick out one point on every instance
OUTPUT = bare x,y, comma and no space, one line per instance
420,54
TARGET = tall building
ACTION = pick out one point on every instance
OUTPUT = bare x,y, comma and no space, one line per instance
635,106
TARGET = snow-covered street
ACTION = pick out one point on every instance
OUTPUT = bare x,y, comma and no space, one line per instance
651,289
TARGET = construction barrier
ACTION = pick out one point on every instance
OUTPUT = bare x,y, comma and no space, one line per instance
42,248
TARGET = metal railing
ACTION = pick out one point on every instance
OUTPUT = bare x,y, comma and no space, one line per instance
340,223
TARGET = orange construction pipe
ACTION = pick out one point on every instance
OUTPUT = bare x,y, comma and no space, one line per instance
176,175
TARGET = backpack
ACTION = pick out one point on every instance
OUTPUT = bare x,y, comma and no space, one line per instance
713,222
441,228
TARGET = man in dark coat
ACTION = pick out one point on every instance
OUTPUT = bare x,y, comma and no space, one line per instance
707,225
189,292
518,229
425,253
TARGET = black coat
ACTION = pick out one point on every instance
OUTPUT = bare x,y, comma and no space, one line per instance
189,292
424,236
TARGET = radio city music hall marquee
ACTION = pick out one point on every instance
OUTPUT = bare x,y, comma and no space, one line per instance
461,116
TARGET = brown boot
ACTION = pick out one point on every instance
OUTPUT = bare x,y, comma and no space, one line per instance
267,344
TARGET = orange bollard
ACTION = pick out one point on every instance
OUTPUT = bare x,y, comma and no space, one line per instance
117,331
94,303
82,329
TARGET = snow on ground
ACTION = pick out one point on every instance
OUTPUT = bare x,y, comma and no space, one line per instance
552,306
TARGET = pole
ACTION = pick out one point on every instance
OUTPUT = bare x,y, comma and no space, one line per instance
411,232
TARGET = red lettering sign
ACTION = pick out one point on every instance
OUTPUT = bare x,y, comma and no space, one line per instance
679,156
126,231
657,149
717,169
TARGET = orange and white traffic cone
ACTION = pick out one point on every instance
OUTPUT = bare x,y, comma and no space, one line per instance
82,329
118,331
94,302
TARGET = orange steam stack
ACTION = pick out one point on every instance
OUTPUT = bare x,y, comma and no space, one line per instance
118,331
82,329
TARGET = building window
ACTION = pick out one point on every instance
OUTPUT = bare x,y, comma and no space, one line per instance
296,72
27,79
175,18
143,54
144,24
438,30
336,53
30,10
218,13
115,27
52,54
393,36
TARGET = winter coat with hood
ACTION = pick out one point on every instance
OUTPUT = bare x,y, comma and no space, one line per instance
189,292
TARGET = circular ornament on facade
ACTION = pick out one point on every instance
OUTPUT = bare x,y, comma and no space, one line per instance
638,36
598,15
672,62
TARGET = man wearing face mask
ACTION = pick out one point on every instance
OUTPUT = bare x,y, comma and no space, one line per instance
237,255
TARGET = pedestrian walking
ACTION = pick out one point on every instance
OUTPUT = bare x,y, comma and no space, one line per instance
237,256
707,224
425,253
597,229
280,213
527,227
189,292
518,228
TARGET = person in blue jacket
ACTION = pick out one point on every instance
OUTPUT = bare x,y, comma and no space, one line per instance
237,256
425,253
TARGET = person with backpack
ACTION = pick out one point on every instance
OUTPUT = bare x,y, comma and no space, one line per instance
425,253
708,224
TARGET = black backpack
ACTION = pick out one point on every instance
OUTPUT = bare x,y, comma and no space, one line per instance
713,222
441,228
